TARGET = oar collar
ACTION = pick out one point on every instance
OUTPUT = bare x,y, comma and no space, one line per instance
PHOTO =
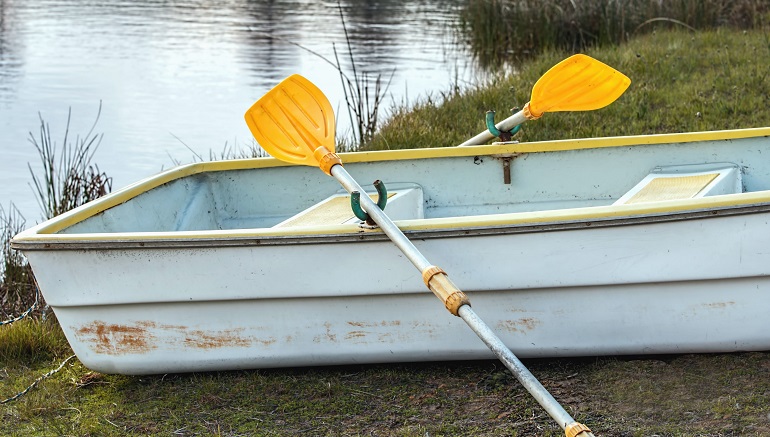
529,113
326,159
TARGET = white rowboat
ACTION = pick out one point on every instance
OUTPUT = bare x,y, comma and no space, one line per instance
627,245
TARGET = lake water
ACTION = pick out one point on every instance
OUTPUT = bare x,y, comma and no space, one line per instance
175,77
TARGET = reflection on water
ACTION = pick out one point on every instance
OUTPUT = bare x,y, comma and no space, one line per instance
189,69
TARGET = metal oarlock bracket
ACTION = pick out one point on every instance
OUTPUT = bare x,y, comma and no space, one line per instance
503,135
382,200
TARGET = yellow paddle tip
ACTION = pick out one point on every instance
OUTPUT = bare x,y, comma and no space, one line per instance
578,83
292,121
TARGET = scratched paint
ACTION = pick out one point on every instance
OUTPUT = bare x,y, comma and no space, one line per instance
386,331
227,338
717,305
327,337
355,334
519,325
375,324
143,336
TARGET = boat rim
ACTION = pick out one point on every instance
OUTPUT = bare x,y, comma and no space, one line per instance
353,233
46,236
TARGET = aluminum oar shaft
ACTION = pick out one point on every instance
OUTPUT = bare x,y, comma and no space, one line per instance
464,311
382,220
525,377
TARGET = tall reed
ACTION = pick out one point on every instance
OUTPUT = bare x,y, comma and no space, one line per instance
17,289
364,93
503,31
362,101
69,179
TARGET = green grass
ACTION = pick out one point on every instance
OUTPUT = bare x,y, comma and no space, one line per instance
32,340
721,74
681,81
724,394
504,31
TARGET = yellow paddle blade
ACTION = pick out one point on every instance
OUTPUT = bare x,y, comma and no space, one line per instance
578,83
293,121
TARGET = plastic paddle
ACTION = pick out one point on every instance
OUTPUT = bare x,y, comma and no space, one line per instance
294,122
578,83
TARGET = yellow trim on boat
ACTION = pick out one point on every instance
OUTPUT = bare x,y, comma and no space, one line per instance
554,145
591,213
480,221
47,230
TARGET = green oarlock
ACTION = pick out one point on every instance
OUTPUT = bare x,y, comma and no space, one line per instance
382,201
503,135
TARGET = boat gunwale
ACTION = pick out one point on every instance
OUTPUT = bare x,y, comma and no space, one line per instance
45,235
335,235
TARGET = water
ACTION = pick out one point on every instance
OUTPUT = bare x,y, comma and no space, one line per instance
175,77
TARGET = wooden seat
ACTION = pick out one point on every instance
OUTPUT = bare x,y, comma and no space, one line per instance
403,204
684,182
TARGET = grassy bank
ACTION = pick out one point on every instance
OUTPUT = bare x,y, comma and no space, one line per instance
682,81
683,395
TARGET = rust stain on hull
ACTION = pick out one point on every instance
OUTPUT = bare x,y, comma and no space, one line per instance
519,325
113,339
143,336
355,334
227,338
380,330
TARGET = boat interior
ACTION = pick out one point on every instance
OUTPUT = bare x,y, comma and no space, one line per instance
433,183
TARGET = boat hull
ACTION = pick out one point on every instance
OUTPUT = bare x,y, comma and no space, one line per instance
205,267
674,286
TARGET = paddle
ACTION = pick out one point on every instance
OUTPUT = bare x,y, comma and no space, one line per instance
578,83
294,122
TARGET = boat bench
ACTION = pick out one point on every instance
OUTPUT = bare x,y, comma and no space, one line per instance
405,202
685,182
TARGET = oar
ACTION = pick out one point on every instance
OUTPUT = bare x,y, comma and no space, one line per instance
294,122
578,83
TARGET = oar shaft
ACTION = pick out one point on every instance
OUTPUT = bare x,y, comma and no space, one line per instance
505,125
533,386
525,377
382,220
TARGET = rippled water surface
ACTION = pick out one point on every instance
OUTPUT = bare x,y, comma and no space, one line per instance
175,77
